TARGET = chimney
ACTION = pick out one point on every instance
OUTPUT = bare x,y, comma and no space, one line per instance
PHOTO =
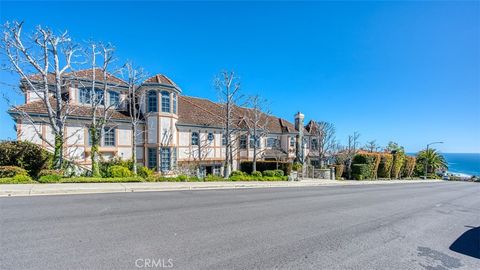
299,117
299,151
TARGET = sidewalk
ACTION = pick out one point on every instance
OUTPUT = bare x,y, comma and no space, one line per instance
87,188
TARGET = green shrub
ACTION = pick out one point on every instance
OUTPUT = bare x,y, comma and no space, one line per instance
242,177
237,173
385,165
397,164
11,171
144,172
26,155
101,180
361,171
182,178
257,174
371,159
60,173
268,173
105,165
53,178
17,179
296,166
278,173
213,178
247,166
117,171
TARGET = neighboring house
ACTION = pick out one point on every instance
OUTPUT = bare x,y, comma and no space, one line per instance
178,131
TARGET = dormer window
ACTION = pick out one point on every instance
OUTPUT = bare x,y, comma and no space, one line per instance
152,101
165,102
114,98
86,97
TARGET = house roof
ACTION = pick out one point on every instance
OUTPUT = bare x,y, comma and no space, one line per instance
203,112
161,79
38,107
86,74
191,111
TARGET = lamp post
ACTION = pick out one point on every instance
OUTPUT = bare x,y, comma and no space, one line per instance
426,159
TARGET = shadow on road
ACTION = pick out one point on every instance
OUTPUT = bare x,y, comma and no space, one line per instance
468,243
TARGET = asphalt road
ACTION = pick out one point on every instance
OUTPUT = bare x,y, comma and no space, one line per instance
397,226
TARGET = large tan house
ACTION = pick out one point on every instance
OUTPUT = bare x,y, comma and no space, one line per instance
178,131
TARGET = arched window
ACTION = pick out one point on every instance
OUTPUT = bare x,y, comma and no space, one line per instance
174,103
152,101
194,138
165,101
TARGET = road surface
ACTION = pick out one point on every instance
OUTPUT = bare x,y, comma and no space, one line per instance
395,226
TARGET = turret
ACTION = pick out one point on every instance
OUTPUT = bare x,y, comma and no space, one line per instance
299,151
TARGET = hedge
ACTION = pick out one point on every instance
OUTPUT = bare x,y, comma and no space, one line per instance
397,163
339,168
25,155
385,166
371,159
100,180
117,171
11,171
17,179
247,166
361,171
408,166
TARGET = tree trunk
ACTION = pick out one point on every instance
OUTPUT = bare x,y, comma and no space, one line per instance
95,152
58,152
134,149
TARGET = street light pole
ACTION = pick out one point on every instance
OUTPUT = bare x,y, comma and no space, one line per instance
426,159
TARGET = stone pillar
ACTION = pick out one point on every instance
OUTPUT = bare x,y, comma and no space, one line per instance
299,126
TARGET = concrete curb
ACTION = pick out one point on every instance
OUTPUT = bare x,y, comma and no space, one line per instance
91,188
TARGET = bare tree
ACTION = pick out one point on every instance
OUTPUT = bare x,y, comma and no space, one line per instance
100,56
324,137
134,76
371,146
257,121
352,151
48,55
228,88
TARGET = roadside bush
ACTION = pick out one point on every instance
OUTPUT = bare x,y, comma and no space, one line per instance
257,174
117,161
117,171
296,166
182,178
52,178
17,179
101,180
397,163
237,173
371,159
408,166
60,173
268,173
278,173
144,172
385,165
11,171
286,167
361,171
213,178
339,170
26,155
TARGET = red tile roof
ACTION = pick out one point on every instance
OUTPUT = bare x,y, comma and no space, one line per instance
161,79
82,74
38,107
191,111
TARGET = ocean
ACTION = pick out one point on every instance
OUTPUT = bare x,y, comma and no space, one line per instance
463,163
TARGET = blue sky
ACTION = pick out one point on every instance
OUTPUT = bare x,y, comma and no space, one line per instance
402,71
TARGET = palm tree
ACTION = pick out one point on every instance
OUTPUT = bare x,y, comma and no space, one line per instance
433,159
